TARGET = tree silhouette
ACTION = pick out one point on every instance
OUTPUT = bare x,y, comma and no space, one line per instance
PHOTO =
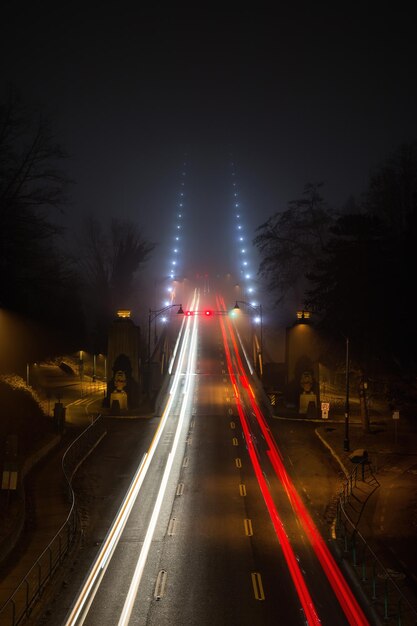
36,279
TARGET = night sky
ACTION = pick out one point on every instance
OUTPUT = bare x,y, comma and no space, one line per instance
296,92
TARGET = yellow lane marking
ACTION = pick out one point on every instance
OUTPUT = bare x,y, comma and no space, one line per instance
235,441
258,589
242,489
238,463
248,527
232,425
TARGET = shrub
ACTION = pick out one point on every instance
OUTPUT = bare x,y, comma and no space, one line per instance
21,414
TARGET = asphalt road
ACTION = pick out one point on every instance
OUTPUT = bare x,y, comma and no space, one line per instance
214,557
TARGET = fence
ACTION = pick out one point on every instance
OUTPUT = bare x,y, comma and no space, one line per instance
385,588
20,604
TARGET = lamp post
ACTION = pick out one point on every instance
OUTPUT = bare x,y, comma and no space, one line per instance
258,309
152,316
346,444
81,371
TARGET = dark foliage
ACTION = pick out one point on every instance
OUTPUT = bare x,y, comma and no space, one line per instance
290,240
21,415
356,269
110,261
35,278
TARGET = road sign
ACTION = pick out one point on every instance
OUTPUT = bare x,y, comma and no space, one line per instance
325,407
396,415
9,480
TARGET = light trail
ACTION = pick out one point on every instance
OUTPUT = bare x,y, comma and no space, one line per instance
293,566
346,598
82,604
143,555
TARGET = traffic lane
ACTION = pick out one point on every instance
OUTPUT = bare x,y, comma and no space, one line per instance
314,471
100,484
120,587
319,586
109,600
236,601
211,557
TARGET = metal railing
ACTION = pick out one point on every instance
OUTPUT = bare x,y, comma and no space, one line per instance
21,603
385,589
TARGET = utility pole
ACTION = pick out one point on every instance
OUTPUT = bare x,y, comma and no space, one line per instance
346,444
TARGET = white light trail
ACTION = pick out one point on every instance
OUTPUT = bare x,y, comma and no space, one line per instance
143,555
86,596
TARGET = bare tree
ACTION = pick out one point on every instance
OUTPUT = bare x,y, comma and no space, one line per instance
30,176
110,262
35,278
290,240
31,183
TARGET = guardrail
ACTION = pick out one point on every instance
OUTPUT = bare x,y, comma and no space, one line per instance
20,604
385,588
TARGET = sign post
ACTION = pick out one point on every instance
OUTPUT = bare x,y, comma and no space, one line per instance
395,417
10,469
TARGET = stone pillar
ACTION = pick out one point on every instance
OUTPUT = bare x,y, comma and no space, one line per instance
123,364
301,359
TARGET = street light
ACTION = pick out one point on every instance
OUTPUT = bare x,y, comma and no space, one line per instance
152,316
258,309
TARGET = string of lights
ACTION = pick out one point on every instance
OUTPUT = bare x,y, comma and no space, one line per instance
176,245
245,274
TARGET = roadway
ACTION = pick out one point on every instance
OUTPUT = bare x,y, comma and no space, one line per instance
214,531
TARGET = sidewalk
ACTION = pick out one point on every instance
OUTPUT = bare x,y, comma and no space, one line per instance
384,506
46,509
36,513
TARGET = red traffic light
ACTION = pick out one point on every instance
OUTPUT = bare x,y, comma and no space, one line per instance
207,312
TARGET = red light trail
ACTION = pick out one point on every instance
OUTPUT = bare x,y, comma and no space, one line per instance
347,600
